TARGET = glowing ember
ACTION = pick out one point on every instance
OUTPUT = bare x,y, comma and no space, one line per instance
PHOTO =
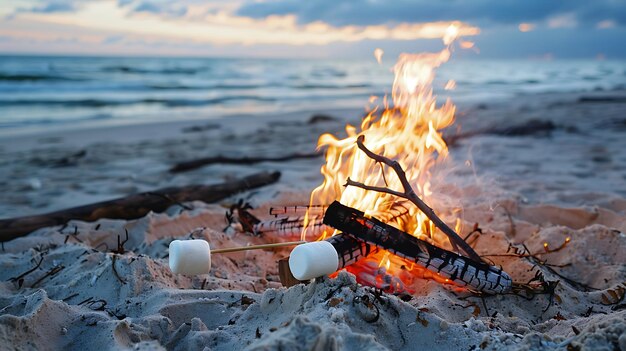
408,132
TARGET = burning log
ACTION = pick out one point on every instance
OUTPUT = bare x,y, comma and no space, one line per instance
459,269
134,206
289,227
298,210
350,249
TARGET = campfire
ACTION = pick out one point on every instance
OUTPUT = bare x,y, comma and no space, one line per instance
371,215
378,180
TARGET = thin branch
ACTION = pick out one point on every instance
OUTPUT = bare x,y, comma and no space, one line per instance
29,271
54,270
117,275
380,189
410,195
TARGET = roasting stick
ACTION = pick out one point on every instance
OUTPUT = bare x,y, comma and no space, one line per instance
193,257
257,247
308,260
459,269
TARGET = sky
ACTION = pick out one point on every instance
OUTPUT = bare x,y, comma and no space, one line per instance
517,29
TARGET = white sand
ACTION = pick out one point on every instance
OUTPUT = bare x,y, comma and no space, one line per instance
527,190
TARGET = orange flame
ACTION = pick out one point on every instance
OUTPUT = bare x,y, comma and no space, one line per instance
408,132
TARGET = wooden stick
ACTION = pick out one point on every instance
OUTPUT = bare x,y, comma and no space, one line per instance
411,195
257,247
135,206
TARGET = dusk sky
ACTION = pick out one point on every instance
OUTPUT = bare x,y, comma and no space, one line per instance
334,29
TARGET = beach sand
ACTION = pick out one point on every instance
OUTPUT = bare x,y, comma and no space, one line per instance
569,181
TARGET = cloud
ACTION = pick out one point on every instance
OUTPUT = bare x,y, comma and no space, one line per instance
52,7
350,28
223,27
606,24
482,12
567,20
171,9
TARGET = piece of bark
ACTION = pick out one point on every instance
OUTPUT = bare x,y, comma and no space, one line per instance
205,161
285,275
134,206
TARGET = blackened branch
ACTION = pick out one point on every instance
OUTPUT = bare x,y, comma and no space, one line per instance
411,195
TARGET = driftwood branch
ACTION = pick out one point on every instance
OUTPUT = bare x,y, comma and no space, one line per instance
410,195
205,161
134,206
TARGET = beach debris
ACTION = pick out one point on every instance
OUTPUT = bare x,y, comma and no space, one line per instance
320,118
135,206
247,160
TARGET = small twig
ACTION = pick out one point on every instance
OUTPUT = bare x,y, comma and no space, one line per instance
103,303
511,222
85,301
117,275
120,244
28,271
73,235
51,272
70,297
410,195
106,246
382,171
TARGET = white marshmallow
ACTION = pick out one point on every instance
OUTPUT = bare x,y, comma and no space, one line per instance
190,257
312,260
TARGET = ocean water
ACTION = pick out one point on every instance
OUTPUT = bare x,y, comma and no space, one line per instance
46,92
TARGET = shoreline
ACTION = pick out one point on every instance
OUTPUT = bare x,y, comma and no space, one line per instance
141,131
49,171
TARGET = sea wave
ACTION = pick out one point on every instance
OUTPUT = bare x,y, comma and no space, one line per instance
34,77
139,70
173,102
53,121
